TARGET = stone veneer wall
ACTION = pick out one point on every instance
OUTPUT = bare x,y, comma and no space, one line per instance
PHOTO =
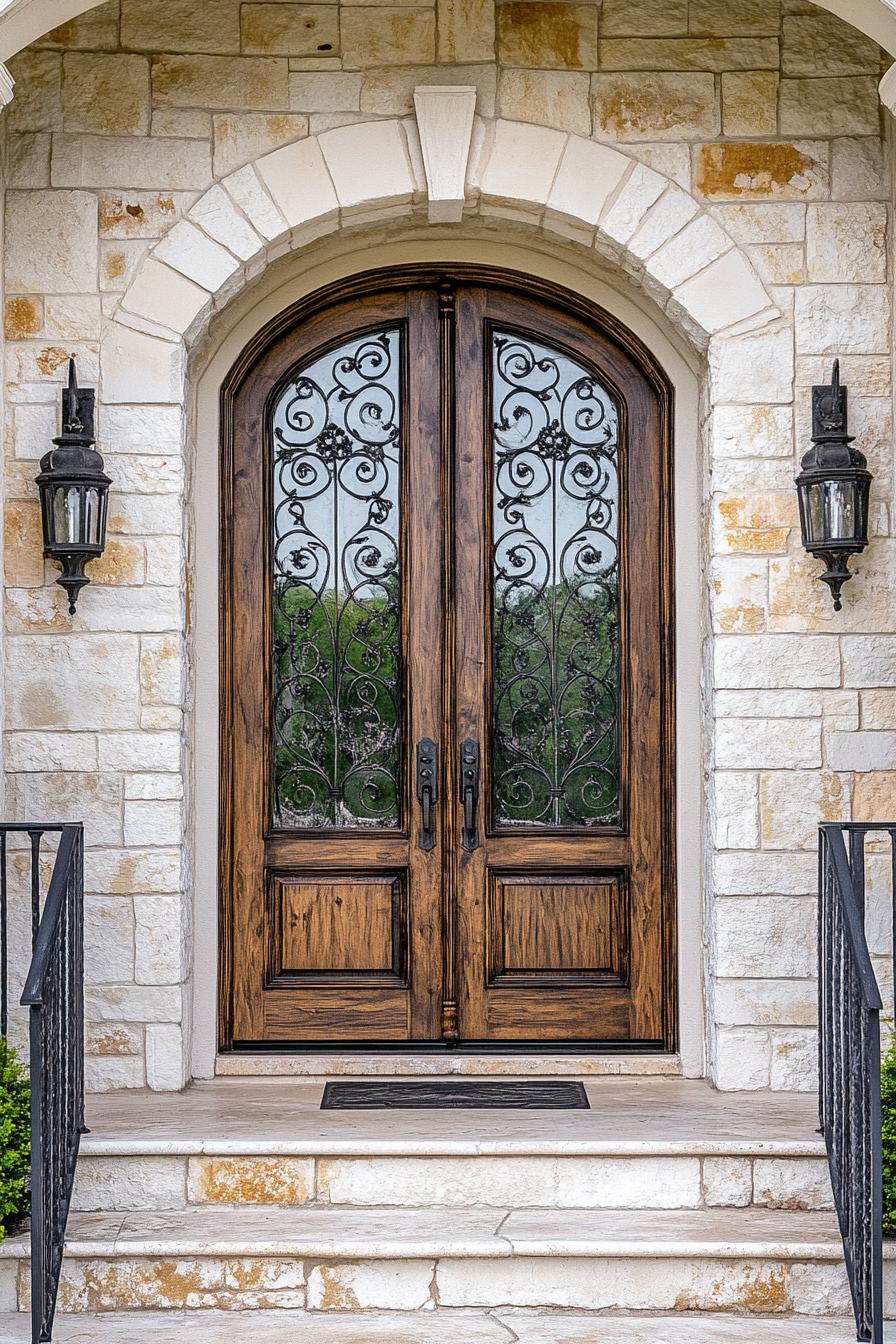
765,117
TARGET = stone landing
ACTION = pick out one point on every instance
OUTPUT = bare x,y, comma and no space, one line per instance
241,1195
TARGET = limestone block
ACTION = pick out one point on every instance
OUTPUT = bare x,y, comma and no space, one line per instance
698,243
245,188
108,939
740,594
37,103
753,170
131,361
644,18
141,751
741,1060
51,242
164,561
42,676
105,1184
736,809
385,175
836,106
750,102
390,91
181,26
466,31
23,546
733,18
861,751
299,182
666,219
766,874
196,256
152,823
51,751
757,744
335,91
28,159
22,318
86,796
182,122
792,1183
136,515
166,1065
221,82
122,162
755,368
141,214
547,34
548,97
158,937
780,264
522,163
797,601
250,1180
847,243
727,1182
838,319
766,1002
878,710
164,296
763,223
105,93
759,522
153,786
112,1039
715,54
792,806
126,872
387,35
284,29
766,936
586,178
108,1074
141,429
821,44
666,107
869,660
399,1285
33,427
794,1061
859,170
95,30
77,318
752,431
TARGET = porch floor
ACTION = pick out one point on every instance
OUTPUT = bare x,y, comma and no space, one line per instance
276,1115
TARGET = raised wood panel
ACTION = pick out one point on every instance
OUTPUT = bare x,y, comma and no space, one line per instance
553,928
333,926
346,1014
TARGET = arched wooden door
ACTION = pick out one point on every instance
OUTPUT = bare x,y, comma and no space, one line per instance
447,709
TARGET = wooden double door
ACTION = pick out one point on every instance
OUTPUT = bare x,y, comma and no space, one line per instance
446,721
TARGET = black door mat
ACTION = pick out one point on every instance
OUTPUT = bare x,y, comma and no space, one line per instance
466,1095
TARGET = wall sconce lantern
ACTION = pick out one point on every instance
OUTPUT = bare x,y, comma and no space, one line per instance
833,488
74,491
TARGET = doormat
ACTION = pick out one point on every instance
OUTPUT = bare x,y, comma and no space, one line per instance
461,1095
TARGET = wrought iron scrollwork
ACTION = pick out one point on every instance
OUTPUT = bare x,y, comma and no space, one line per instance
555,589
337,658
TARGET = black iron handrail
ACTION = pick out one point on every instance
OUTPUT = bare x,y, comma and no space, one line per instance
54,997
849,1100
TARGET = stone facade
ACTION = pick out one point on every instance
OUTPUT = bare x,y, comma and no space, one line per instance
729,158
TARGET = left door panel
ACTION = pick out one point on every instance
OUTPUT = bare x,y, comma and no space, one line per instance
334,630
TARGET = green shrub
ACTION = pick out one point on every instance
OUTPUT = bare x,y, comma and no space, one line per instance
15,1137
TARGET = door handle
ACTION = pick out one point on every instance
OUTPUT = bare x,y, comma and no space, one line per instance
469,792
427,790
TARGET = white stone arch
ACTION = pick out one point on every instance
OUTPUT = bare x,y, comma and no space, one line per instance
565,184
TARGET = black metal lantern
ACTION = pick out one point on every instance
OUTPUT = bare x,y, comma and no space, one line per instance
74,491
833,488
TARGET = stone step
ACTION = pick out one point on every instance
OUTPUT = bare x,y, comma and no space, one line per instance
435,1327
743,1260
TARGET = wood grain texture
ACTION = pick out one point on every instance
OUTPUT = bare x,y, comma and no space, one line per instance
537,935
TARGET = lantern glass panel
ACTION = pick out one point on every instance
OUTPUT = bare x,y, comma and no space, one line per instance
67,514
832,511
93,517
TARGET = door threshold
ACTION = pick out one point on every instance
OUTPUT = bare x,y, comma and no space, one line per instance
408,1064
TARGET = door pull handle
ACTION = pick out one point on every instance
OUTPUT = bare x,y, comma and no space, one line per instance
469,792
427,790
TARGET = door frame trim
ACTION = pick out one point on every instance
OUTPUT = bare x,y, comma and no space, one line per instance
415,275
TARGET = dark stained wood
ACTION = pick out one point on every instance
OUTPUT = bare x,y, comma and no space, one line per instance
354,936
